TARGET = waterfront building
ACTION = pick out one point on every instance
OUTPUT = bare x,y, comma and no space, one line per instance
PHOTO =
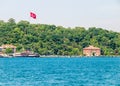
5,46
91,51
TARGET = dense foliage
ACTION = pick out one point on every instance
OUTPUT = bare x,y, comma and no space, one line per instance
57,40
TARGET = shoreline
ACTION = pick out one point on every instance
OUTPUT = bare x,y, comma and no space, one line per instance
59,56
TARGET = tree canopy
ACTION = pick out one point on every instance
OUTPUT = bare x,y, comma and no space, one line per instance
57,40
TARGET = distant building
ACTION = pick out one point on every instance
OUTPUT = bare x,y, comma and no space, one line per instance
91,51
4,47
26,53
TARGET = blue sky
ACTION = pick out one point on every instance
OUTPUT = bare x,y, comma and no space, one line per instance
68,13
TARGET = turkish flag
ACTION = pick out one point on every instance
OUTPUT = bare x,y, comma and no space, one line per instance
33,15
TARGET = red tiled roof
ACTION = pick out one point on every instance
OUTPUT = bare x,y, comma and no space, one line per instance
91,47
8,46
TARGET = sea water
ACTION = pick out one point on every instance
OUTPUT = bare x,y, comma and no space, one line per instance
60,71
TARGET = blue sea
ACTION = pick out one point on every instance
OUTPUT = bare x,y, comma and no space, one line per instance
103,71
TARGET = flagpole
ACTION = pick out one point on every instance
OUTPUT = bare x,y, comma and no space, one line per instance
30,17
29,20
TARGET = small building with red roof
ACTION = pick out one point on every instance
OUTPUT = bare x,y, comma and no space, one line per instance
4,47
91,51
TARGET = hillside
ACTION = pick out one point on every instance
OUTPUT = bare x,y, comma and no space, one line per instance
57,40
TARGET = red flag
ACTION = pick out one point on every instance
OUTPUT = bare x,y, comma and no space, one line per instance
33,15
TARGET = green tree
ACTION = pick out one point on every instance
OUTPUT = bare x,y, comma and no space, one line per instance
8,51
